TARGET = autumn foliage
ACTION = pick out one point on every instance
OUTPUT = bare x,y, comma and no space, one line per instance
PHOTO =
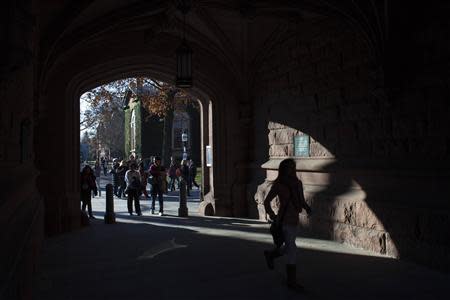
104,115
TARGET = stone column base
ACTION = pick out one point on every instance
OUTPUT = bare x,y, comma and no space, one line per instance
208,206
261,192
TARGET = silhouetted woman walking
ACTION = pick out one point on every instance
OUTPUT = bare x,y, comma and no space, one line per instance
289,190
88,186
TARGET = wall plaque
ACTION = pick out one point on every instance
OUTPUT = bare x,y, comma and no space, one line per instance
301,145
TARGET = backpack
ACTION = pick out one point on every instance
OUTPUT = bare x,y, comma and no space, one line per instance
135,184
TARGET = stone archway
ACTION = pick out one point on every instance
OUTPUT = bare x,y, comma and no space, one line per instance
91,55
226,73
48,44
62,202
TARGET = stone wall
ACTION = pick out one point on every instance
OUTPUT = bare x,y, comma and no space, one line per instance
21,205
321,80
379,158
281,142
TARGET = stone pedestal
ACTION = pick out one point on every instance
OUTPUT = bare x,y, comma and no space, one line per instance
183,210
207,206
110,216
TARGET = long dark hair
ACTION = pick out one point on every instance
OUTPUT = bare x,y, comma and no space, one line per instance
287,177
284,171
87,170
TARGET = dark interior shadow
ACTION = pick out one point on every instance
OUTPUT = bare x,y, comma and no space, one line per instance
142,261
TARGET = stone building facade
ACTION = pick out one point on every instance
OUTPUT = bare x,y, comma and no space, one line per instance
144,132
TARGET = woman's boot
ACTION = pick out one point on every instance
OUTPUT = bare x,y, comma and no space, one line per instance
291,272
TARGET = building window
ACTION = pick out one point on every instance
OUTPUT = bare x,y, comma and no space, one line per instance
181,123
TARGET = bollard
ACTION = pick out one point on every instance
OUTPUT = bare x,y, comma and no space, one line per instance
110,216
183,210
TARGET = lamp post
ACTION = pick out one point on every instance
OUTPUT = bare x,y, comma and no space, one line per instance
183,210
184,139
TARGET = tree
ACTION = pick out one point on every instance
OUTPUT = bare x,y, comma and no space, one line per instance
85,138
104,113
103,102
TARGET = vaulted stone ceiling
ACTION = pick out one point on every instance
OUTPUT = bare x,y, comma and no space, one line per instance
238,33
232,30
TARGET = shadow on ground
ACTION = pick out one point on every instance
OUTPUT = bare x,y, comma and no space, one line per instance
106,262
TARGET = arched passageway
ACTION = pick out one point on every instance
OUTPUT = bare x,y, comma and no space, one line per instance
364,82
146,118
86,80
317,73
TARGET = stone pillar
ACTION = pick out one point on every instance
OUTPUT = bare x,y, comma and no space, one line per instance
110,216
22,213
207,206
204,119
210,169
183,210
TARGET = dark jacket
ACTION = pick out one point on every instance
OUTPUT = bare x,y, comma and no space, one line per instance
192,171
158,174
121,174
292,201
88,183
114,173
173,170
185,172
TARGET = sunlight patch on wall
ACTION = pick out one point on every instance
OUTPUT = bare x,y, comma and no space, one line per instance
341,212
286,141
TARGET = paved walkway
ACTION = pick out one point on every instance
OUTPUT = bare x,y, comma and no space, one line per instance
152,257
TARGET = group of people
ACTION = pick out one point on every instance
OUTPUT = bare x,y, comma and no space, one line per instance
186,170
130,178
287,187
134,183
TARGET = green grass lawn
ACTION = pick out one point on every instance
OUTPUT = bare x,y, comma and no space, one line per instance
198,178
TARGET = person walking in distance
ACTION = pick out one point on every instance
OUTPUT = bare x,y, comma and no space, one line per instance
104,165
185,175
98,173
88,186
131,160
121,170
134,188
192,174
115,176
158,173
289,190
173,175
144,176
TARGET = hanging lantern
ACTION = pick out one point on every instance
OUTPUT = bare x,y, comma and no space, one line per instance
184,52
184,66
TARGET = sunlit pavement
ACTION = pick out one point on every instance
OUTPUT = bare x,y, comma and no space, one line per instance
153,257
171,204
